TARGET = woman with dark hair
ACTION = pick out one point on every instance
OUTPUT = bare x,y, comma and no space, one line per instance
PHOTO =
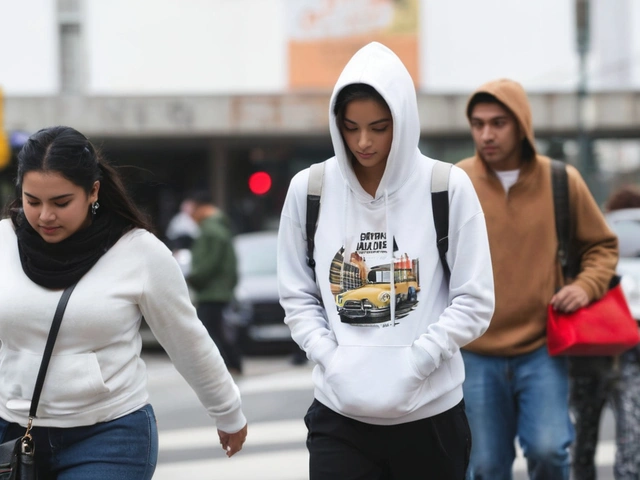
73,223
377,312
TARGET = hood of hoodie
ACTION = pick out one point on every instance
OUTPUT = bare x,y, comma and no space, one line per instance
513,96
378,66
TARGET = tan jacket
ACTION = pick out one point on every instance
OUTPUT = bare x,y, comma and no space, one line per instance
523,241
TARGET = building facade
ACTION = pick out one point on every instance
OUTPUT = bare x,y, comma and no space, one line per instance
201,93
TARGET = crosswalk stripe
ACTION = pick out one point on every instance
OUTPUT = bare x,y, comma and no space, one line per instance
286,438
270,465
285,465
262,433
278,382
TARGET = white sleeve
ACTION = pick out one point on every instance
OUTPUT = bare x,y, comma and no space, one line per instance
167,309
471,293
299,294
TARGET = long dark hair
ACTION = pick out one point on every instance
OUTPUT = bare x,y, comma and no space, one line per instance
627,196
66,151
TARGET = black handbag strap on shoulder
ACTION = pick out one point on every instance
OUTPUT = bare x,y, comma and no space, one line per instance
560,187
48,349
439,202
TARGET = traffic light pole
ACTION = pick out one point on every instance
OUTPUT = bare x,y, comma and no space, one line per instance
587,162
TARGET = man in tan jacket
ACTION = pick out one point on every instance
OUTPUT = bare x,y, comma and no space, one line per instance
513,388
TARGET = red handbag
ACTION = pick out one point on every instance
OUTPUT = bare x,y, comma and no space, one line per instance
604,327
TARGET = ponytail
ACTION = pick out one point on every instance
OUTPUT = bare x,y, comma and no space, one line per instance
113,197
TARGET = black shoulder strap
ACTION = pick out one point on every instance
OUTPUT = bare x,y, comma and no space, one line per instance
560,187
314,192
440,205
48,349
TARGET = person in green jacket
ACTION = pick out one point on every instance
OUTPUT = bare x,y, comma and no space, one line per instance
214,275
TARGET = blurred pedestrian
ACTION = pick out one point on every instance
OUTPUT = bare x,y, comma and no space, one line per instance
596,381
181,233
513,387
182,228
73,223
378,315
214,275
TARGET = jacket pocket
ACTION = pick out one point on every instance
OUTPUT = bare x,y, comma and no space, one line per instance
381,382
72,381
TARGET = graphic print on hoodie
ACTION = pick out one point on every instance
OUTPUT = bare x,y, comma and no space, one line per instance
362,283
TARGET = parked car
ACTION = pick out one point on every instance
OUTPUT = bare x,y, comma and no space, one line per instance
626,225
255,312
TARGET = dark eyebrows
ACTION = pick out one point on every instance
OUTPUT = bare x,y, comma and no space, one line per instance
492,119
64,195
382,120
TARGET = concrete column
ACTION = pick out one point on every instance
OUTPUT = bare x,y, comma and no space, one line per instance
218,168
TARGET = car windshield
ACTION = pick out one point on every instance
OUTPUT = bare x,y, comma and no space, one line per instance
628,232
625,223
256,253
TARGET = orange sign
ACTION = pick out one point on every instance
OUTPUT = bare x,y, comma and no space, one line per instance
5,147
5,150
324,35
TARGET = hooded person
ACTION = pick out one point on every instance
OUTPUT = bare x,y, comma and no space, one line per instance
513,387
378,315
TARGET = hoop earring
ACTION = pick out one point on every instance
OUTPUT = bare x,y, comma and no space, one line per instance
94,208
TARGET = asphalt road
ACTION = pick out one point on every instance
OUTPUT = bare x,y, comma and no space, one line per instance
276,395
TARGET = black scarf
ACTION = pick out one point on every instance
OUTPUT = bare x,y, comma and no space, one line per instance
58,265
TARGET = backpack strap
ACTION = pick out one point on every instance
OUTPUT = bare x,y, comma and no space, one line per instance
439,200
440,205
314,192
560,187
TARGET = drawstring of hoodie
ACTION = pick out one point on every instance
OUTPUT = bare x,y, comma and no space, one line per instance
390,248
392,273
345,228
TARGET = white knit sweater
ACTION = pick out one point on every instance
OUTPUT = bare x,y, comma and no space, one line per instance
96,373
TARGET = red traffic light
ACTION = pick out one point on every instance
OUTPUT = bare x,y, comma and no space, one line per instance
260,183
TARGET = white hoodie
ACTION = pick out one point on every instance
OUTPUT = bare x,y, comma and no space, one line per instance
378,361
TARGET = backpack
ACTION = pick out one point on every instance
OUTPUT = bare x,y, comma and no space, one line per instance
439,201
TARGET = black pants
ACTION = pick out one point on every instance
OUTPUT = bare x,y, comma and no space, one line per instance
210,313
435,448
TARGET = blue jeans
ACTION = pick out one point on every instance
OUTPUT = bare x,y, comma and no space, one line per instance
126,447
526,396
